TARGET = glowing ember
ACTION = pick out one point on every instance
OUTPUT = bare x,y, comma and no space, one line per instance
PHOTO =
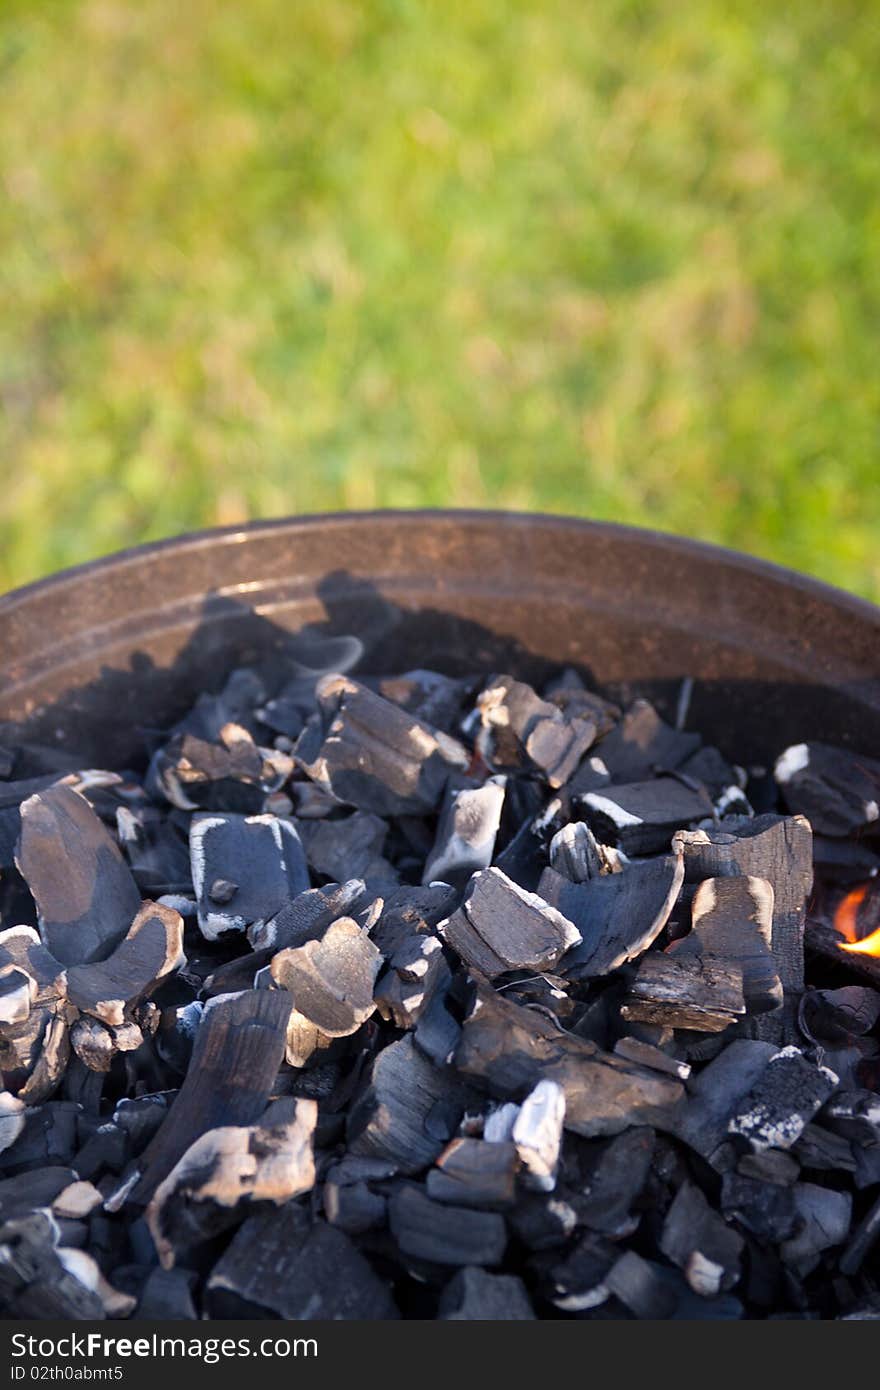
846,924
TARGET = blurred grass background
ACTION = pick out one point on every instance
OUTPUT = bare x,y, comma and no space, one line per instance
616,259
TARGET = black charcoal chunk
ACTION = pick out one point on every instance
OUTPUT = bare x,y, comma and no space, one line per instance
371,754
578,1282
732,918
432,697
645,1054
520,730
825,1217
261,854
715,1092
838,791
701,993
349,847
641,1286
151,950
475,1173
416,971
862,1241
396,1117
85,894
642,744
839,1015
854,1115
281,1263
307,916
465,839
766,1209
168,1294
472,1295
331,984
822,1150
611,1179
444,1234
705,1248
641,817
509,1048
617,915
782,1102
501,927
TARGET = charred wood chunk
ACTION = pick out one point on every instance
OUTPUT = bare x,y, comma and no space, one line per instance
437,1030
778,849
443,1234
168,1295
645,1054
701,993
642,743
349,1201
152,950
371,754
698,1240
348,848
784,1099
229,774
29,1191
331,984
732,919
855,1115
611,1177
501,927
618,915
47,1137
766,1209
465,839
523,731
576,854
473,1295
33,1281
641,817
307,916
474,1173
261,854
838,1015
281,1262
156,850
417,970
838,791
641,1287
509,1048
577,1283
225,1170
824,1220
85,894
862,1241
430,696
34,1054
409,1110
715,1092
238,1050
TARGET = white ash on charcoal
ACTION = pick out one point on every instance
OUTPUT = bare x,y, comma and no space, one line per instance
786,1096
641,817
837,791
244,870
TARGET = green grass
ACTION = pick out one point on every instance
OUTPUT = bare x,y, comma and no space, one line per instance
618,259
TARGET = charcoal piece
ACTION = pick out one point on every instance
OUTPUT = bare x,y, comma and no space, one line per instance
444,1234
695,1238
866,1163
838,861
575,853
523,731
775,1166
372,755
838,1015
641,744
437,1031
732,919
348,848
542,1222
262,854
537,1134
646,1055
12,1119
85,894
712,770
331,984
392,1119
33,1189
310,913
779,849
140,1117
472,1295
168,1296
617,915
591,776
33,1281
465,839
766,1209
354,1207
510,1048
34,1054
862,1241
417,970
821,1150
434,698
157,853
715,1092
577,1282
854,1115
524,856
223,1171
640,1286
230,773
825,1217
641,817
614,1175
279,1262
47,1136
783,1100
237,1052
473,1173
152,949
702,993
21,948
177,1033
105,1151
501,927
838,791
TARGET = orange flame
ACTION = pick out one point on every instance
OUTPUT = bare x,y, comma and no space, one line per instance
846,924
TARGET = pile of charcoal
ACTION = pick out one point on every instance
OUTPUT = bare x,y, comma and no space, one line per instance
426,997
